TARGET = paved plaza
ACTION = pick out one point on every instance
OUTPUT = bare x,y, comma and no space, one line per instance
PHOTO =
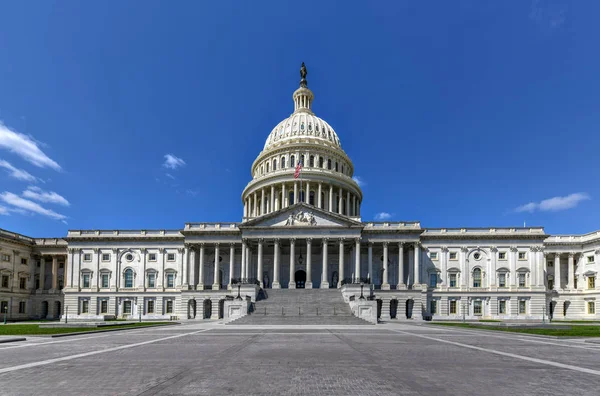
192,359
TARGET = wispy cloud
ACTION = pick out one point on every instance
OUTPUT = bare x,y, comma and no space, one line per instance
170,176
383,216
25,147
359,181
37,194
192,192
173,162
548,15
554,204
17,173
4,211
29,206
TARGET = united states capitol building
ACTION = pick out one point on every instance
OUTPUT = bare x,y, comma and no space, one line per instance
302,233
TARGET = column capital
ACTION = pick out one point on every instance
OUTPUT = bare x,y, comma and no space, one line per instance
260,241
95,250
187,245
571,255
244,241
232,244
292,241
70,250
493,249
16,253
217,245
277,241
308,241
385,243
514,249
180,250
370,243
143,250
464,249
417,244
597,251
557,255
161,250
341,240
400,245
357,240
325,241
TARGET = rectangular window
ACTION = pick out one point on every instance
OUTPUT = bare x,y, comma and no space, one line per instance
104,306
452,280
590,259
453,255
87,257
452,306
37,283
5,257
501,255
105,257
86,280
433,307
522,306
127,307
501,280
152,257
129,278
169,307
433,255
591,307
22,307
5,281
170,280
521,280
171,257
432,280
61,265
151,279
23,260
150,306
105,279
85,306
477,305
502,307
575,282
550,263
522,256
22,283
591,282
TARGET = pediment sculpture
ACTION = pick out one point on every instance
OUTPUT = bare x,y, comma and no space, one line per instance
301,218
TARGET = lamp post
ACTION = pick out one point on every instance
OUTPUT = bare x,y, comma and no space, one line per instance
362,285
5,311
67,314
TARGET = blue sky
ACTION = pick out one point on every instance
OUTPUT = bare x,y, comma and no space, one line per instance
458,114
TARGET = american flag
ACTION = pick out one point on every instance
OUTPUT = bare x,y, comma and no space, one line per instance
298,169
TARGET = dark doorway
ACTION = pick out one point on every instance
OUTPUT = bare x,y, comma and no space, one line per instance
552,309
44,312
191,309
379,305
409,308
393,308
57,310
300,276
221,308
207,309
334,280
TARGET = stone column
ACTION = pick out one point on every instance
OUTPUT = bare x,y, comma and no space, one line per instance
385,285
276,283
243,263
571,271
341,263
340,202
283,196
201,269
184,267
401,285
512,260
55,273
353,207
557,272
255,214
348,203
43,273
216,284
231,258
259,270
411,269
319,200
262,202
417,269
464,271
144,274
357,259
331,197
543,268
192,267
245,207
296,199
492,274
292,282
32,266
308,283
370,262
248,261
324,281
307,193
272,208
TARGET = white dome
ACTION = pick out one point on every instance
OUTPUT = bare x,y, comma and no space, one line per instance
302,124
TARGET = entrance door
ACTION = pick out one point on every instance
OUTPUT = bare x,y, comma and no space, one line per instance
300,279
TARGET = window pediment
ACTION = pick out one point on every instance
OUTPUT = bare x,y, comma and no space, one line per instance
453,270
502,270
522,269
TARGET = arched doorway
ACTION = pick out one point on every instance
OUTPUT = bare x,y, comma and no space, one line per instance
207,309
300,277
409,308
191,309
57,310
44,312
393,309
379,305
221,308
334,280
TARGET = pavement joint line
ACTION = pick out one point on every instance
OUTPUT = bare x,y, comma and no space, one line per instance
137,331
507,354
525,338
92,353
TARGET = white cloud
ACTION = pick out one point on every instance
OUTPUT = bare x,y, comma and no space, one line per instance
383,216
29,206
359,181
4,211
25,147
173,162
170,176
554,204
19,174
38,194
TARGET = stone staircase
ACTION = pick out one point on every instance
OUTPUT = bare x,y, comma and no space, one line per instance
300,307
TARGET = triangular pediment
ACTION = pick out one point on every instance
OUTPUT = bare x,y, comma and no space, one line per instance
301,215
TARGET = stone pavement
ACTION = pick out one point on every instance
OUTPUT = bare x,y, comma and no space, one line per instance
212,359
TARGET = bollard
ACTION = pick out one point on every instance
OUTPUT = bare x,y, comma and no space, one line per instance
317,311
281,311
299,311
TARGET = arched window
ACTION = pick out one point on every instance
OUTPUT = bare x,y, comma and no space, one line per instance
477,277
267,167
342,169
329,164
302,196
322,200
343,206
336,167
321,162
292,161
129,277
311,198
302,159
275,164
311,161
282,162
291,198
262,170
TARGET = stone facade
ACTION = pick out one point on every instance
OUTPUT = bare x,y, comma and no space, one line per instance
302,232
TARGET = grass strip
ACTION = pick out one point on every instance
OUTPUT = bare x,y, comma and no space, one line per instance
34,329
575,331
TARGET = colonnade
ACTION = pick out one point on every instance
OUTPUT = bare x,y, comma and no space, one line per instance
325,196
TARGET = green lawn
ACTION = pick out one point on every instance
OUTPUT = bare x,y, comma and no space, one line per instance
34,329
575,331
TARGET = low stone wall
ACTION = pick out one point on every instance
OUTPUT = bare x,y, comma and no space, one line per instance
235,309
